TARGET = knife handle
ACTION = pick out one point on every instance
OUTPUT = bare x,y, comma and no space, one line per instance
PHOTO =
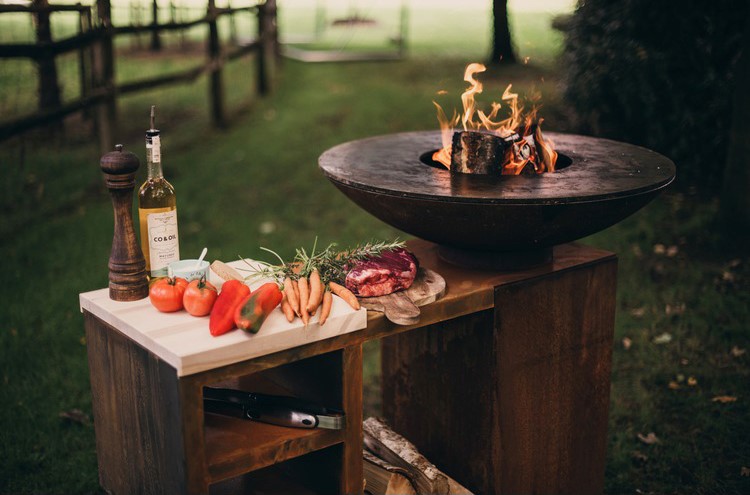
282,416
274,415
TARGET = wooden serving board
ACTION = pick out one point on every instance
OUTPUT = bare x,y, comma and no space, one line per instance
402,308
185,343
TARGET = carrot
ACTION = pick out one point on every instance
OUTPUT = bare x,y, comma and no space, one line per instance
304,295
344,294
325,309
286,308
316,292
291,295
295,286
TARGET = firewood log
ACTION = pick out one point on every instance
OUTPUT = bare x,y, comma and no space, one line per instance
394,449
476,152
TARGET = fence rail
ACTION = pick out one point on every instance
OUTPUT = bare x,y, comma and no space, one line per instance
95,44
43,49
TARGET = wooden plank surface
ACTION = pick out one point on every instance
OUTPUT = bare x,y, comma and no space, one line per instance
513,399
185,343
351,457
438,393
553,361
138,415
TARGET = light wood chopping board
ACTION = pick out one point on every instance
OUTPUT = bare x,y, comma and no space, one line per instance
402,307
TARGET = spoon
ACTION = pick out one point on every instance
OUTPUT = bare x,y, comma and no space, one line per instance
200,258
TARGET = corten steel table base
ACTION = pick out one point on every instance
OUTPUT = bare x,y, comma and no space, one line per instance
513,399
503,384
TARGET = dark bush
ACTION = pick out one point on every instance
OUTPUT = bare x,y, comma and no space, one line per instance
658,73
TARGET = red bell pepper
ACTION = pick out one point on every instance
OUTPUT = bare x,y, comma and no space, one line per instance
233,292
256,307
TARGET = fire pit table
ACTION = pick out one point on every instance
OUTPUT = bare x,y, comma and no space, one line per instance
503,384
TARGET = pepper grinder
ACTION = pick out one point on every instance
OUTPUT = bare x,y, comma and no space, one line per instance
127,266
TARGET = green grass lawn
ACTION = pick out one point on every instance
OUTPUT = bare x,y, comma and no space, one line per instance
683,292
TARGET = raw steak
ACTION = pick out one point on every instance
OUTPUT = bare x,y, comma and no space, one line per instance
391,271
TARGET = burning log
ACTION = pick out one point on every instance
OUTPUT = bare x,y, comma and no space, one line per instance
478,152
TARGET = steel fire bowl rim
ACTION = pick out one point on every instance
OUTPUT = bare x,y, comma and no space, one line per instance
606,182
600,170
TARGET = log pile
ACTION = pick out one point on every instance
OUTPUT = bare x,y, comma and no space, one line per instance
393,465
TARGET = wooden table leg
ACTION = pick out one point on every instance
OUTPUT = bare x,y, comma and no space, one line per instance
513,400
143,428
351,473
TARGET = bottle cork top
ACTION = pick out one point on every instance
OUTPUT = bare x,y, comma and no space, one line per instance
153,131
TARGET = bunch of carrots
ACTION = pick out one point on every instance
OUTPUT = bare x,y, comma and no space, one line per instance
309,281
304,295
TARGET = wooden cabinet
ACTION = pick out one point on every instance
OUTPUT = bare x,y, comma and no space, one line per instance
504,384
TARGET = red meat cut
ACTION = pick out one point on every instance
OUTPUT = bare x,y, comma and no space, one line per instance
377,276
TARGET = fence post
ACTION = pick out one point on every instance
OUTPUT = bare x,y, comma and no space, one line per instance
216,89
155,39
136,19
267,50
49,90
104,77
173,17
84,58
232,26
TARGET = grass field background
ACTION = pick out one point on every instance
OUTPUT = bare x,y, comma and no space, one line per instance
683,291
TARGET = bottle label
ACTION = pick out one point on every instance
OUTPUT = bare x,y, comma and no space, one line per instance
154,144
163,243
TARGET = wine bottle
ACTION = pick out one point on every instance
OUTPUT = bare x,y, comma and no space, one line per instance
157,210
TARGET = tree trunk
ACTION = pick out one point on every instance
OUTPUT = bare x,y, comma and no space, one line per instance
502,46
49,90
735,196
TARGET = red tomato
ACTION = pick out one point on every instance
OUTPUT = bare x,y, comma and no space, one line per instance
166,294
199,297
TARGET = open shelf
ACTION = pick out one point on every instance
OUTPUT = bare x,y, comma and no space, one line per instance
268,484
316,473
235,446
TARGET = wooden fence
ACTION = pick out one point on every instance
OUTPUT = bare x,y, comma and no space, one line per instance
94,43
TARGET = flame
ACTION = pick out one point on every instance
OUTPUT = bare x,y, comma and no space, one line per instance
467,98
443,155
546,148
474,119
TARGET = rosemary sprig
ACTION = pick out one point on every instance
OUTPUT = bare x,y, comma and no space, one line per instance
331,264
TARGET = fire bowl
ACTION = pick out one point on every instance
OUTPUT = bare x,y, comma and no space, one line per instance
506,222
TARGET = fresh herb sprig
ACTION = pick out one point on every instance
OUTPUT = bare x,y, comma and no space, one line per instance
331,264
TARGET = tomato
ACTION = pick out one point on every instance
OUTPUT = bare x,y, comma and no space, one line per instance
166,293
199,297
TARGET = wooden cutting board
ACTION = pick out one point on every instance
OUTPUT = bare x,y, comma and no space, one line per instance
185,343
402,308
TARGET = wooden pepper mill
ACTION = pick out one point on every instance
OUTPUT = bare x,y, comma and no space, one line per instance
127,266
